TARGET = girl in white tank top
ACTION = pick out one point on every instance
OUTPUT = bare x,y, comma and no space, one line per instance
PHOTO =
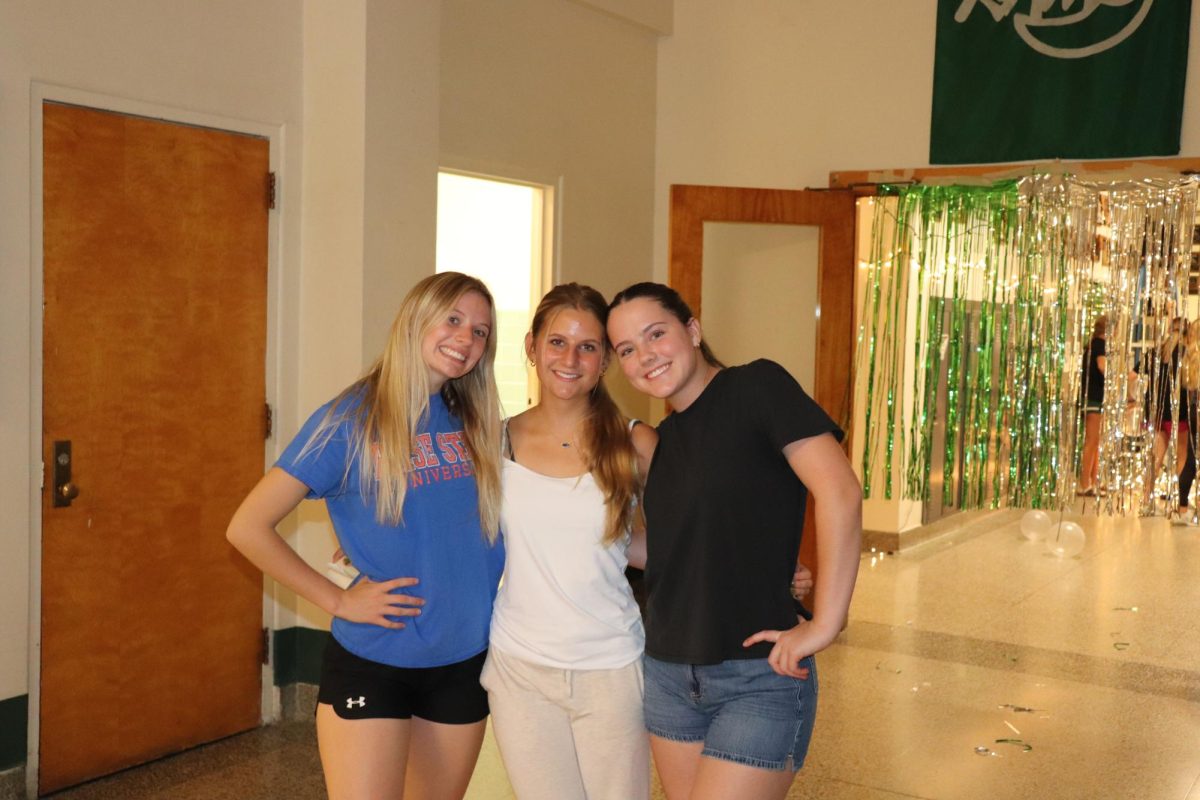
564,668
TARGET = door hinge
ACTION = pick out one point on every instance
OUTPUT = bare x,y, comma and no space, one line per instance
265,647
271,186
268,421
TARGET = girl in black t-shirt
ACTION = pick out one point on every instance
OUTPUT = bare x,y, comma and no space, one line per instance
730,695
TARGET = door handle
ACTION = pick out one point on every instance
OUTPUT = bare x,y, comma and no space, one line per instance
64,490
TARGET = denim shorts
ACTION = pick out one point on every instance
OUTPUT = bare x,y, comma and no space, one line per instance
742,710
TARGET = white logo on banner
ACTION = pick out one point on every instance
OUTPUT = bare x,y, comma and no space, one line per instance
1026,24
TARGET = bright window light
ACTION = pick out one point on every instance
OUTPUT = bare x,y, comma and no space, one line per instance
492,229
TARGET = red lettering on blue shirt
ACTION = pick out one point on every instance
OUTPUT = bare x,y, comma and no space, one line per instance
455,462
423,455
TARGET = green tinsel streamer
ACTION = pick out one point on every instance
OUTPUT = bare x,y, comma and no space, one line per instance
875,268
899,294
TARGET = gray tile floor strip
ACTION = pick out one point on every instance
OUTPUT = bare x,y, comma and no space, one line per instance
1113,673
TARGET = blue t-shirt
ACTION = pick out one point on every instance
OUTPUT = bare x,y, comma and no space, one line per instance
440,540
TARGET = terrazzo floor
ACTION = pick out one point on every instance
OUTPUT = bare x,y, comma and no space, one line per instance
975,666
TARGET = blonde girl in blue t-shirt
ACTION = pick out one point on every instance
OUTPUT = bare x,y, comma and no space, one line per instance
407,460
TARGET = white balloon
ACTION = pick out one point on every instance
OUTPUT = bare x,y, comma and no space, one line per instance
1035,525
1067,542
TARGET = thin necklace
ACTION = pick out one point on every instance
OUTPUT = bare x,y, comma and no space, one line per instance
568,442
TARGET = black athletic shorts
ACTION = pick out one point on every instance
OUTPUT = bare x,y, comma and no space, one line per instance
358,688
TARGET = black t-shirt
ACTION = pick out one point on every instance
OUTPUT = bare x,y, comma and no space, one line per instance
724,514
1092,376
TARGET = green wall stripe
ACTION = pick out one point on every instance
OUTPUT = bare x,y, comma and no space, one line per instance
298,654
14,722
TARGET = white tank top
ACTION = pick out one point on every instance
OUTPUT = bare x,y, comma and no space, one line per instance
564,601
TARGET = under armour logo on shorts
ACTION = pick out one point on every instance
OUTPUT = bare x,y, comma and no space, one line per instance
360,702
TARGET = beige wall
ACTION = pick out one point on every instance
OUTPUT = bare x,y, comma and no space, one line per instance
760,294
777,93
657,15
560,93
370,97
214,57
354,224
365,100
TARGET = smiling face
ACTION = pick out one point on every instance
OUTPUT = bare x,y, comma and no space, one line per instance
456,342
570,353
659,354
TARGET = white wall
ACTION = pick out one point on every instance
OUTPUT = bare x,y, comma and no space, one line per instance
778,93
216,57
560,93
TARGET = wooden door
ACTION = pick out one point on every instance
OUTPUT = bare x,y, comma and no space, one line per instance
830,210
155,254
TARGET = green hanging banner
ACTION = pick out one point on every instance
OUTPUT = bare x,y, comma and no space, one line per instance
1015,80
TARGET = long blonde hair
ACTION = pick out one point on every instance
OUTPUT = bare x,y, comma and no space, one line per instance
1190,366
608,448
388,404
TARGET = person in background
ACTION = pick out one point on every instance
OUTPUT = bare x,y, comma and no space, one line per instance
1170,418
1189,379
1094,363
731,687
407,461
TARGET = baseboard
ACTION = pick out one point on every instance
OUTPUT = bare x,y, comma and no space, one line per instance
14,724
983,519
298,652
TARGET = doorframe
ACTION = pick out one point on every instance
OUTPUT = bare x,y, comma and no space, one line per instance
692,205
41,93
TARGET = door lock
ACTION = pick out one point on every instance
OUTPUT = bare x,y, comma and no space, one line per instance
64,490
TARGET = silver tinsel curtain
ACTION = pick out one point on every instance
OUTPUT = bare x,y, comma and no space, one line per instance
978,308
